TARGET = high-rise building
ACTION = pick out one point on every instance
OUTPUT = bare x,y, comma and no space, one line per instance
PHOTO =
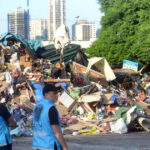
73,32
18,22
39,29
28,20
84,31
57,16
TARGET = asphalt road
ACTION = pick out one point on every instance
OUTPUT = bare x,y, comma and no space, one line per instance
132,141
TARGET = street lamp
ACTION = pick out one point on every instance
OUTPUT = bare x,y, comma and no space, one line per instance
77,17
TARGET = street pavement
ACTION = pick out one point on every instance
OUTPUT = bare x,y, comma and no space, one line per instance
130,141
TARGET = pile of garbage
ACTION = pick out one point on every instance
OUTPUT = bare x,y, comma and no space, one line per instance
115,108
94,99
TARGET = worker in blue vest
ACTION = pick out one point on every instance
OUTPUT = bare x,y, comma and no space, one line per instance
47,132
5,120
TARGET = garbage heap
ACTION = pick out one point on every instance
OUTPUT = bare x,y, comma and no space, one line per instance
94,99
120,106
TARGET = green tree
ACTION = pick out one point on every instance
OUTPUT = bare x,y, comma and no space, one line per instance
125,31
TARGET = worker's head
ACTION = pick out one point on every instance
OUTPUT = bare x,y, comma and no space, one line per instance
50,92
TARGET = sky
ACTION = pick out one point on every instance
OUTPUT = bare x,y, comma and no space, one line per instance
86,9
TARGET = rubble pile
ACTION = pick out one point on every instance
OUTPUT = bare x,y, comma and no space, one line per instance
94,99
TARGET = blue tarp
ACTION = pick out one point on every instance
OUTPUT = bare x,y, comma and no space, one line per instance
35,49
17,37
33,44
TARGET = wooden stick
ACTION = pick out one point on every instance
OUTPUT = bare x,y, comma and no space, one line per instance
61,55
28,106
90,124
59,85
31,90
89,108
57,80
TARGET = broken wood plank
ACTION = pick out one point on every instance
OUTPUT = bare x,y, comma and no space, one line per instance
29,107
89,108
4,86
57,80
90,124
80,69
84,107
31,90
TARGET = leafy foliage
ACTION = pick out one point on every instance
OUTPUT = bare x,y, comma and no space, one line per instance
125,31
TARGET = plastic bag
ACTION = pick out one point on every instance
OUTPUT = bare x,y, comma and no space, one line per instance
91,131
130,113
119,126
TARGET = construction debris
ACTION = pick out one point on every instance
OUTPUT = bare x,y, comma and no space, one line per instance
94,98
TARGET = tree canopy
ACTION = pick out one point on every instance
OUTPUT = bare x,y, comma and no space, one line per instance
125,31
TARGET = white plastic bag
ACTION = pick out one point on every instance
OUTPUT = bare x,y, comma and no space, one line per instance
130,112
11,90
61,37
8,77
119,126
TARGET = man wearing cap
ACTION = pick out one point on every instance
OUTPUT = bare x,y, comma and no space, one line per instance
47,132
5,120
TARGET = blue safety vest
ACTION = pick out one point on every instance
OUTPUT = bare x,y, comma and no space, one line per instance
43,135
5,137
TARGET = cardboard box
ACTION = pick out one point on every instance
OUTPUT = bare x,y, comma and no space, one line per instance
67,100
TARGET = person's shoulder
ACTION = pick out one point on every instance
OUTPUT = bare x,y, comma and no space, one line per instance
52,108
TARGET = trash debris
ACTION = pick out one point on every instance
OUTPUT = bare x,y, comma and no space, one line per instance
145,123
94,99
119,126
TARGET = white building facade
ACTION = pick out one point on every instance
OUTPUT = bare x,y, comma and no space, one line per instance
18,22
56,16
39,29
85,31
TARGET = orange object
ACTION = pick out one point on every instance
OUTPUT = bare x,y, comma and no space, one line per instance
110,109
142,96
59,66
